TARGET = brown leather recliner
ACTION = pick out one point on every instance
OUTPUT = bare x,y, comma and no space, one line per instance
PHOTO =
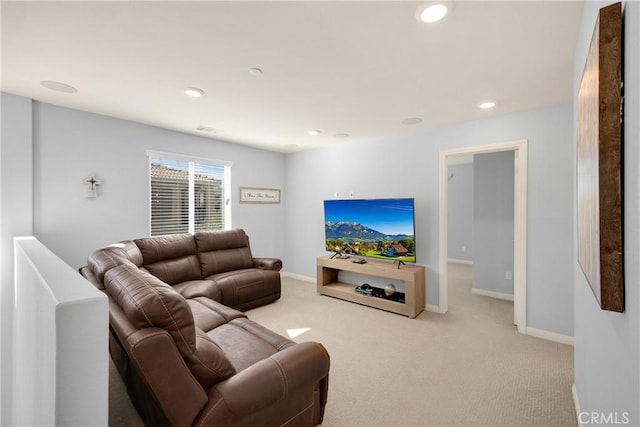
198,362
186,356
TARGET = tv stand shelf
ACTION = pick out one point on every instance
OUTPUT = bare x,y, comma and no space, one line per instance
412,275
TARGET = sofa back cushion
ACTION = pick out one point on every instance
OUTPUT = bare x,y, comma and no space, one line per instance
149,302
222,251
172,259
103,260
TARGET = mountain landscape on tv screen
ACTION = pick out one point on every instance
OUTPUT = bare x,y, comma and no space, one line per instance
352,237
352,231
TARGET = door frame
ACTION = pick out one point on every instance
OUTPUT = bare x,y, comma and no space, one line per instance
520,224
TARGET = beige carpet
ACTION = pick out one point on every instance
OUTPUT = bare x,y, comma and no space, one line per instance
121,410
469,367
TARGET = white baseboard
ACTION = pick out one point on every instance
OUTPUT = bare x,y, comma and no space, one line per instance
492,294
551,336
298,276
433,308
460,261
576,403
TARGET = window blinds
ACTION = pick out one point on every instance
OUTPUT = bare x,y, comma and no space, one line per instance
186,195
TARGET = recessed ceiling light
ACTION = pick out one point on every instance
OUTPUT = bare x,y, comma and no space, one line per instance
58,87
314,132
341,135
255,71
194,92
208,129
433,11
412,121
486,105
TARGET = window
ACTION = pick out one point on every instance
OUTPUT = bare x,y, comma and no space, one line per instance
188,194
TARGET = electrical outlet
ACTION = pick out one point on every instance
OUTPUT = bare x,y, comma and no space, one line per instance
508,275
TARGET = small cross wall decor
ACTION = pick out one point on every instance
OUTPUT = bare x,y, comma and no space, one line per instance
93,183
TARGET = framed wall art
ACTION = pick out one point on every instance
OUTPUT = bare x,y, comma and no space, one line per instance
259,195
599,162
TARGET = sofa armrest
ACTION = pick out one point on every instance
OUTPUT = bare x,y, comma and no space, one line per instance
276,378
158,362
264,263
91,277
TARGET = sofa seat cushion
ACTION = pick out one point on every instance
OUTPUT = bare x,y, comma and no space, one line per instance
246,342
199,288
149,302
243,286
208,314
172,259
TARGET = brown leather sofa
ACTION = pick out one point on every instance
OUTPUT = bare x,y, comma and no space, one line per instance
214,264
186,356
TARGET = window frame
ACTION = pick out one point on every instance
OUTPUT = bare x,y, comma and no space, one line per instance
192,159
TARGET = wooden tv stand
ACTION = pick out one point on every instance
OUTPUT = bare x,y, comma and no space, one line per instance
412,275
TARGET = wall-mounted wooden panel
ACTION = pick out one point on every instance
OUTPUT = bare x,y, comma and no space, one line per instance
599,160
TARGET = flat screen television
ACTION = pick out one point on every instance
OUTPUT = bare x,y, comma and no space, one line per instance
375,228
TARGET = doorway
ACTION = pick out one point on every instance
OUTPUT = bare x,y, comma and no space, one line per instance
519,149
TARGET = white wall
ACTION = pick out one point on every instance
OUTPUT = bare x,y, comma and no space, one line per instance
71,145
460,212
408,167
15,220
493,216
607,347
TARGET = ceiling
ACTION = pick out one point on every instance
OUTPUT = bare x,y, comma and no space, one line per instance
354,70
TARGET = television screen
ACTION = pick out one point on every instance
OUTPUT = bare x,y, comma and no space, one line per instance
376,228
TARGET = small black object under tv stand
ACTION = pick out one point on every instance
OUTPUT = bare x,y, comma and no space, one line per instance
379,293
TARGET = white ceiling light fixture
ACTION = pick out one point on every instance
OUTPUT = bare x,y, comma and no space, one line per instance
412,121
433,11
193,92
486,105
314,132
58,86
208,129
255,71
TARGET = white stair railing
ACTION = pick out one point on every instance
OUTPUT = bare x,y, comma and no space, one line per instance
60,342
